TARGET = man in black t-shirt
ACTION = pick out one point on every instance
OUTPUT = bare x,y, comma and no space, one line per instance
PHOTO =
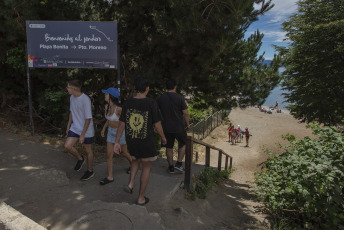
173,108
139,115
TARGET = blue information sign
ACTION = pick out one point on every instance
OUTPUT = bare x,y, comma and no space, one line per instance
64,44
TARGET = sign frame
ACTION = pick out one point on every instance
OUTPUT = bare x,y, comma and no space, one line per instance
71,44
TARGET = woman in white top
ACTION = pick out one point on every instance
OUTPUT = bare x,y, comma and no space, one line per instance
112,114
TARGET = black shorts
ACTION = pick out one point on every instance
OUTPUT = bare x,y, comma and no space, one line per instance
87,141
171,137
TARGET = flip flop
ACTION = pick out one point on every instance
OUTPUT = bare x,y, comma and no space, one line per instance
128,190
141,204
105,181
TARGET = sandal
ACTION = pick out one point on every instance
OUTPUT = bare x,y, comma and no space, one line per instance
105,181
146,202
128,190
128,170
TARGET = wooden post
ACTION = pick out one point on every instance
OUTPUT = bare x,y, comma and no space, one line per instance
207,156
219,161
230,163
226,163
188,162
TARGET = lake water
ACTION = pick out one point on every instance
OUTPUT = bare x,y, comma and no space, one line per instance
276,95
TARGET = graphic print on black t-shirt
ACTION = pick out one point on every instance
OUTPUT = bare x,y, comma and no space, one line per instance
137,120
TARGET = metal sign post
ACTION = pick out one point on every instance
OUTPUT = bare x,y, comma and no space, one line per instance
29,94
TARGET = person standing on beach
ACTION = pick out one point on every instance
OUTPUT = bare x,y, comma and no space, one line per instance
247,136
112,114
239,138
230,132
173,108
139,115
233,135
80,127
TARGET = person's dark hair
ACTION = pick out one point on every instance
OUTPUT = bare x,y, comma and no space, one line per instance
141,83
170,84
114,101
75,83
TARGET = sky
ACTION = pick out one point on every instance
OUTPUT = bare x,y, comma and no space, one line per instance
270,24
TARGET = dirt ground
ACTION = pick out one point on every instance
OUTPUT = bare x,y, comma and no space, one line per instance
233,204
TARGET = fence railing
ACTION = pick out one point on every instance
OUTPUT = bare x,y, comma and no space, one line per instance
202,129
188,159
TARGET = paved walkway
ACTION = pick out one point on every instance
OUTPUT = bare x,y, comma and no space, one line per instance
39,182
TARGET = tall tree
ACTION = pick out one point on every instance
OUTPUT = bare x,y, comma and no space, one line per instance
314,73
199,42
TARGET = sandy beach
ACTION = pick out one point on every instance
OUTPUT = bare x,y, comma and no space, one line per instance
234,205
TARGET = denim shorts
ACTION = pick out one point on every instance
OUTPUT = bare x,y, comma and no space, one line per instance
87,141
111,136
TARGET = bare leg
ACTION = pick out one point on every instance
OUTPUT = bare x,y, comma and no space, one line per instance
169,155
181,153
88,149
109,162
134,168
69,146
125,153
146,166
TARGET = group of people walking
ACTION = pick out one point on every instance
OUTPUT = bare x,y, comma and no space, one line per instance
235,135
130,130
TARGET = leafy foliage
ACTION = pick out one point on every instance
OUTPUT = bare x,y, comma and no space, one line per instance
198,113
305,183
206,179
314,62
199,43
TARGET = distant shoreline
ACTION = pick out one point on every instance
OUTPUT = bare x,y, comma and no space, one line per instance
285,111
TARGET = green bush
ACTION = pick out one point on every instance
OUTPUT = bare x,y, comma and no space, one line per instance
305,183
53,105
206,179
198,114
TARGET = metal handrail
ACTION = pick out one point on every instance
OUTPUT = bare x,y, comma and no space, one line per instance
188,159
204,127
